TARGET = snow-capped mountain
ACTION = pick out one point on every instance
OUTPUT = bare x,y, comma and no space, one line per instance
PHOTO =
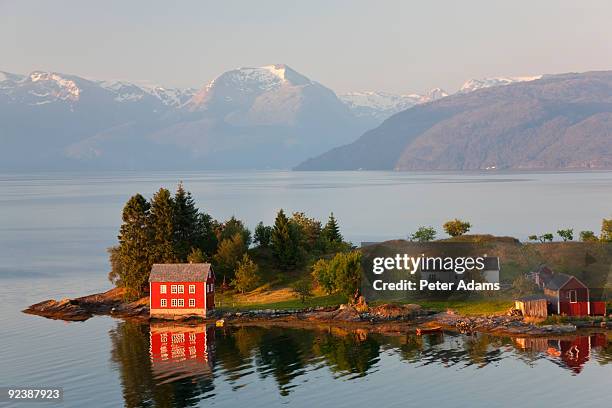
254,117
262,117
127,91
381,105
40,87
476,84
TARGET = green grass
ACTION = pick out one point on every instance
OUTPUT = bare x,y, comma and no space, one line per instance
470,307
317,301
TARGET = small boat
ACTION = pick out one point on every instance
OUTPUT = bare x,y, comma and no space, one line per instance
427,330
220,323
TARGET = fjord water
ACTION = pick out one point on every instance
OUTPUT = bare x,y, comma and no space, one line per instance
54,229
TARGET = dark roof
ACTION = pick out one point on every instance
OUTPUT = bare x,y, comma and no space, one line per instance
532,297
556,280
179,272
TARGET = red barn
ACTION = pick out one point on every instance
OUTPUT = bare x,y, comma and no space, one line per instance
566,294
181,289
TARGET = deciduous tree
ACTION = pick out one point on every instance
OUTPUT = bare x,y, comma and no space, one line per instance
456,227
566,234
246,276
424,234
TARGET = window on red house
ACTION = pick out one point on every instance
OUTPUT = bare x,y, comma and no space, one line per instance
191,302
191,288
163,302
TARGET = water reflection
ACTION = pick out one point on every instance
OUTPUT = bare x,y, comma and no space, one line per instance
174,365
571,353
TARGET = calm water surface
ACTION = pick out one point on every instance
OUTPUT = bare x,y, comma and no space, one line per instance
54,229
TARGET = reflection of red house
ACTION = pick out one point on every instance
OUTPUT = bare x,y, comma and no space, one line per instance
178,350
566,294
572,352
181,289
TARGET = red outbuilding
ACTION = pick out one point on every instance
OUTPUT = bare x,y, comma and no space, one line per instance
181,289
566,294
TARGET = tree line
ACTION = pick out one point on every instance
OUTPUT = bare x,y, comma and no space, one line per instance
584,236
171,229
457,227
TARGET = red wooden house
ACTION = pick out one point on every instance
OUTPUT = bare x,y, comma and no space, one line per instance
566,294
181,289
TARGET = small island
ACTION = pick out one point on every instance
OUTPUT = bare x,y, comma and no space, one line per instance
176,262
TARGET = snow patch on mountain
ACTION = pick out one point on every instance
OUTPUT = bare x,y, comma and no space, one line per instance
61,88
381,105
130,92
475,84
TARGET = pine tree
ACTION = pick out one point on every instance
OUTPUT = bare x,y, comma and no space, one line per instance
135,241
332,231
285,242
186,223
162,227
232,227
263,233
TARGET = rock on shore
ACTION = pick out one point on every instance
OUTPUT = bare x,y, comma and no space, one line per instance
83,308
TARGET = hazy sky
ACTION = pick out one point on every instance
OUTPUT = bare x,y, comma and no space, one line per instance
397,46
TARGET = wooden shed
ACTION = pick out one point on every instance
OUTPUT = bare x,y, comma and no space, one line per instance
532,306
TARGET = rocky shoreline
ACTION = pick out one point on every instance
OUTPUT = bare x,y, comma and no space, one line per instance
393,317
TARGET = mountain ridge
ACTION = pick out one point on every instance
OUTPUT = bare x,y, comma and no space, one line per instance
554,122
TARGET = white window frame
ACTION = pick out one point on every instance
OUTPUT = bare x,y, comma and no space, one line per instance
192,302
192,289
174,302
173,289
162,289
181,302
569,294
181,289
163,302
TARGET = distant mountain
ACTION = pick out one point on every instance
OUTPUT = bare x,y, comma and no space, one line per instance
380,105
265,117
554,122
476,84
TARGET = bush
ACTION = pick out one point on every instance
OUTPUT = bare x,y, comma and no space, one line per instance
456,227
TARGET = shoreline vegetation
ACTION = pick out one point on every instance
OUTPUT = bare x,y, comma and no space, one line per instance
302,271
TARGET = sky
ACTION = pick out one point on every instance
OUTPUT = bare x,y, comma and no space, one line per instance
393,46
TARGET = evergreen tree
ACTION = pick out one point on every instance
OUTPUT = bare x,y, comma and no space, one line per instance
162,227
332,230
206,237
285,242
135,241
232,227
185,223
309,229
263,234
